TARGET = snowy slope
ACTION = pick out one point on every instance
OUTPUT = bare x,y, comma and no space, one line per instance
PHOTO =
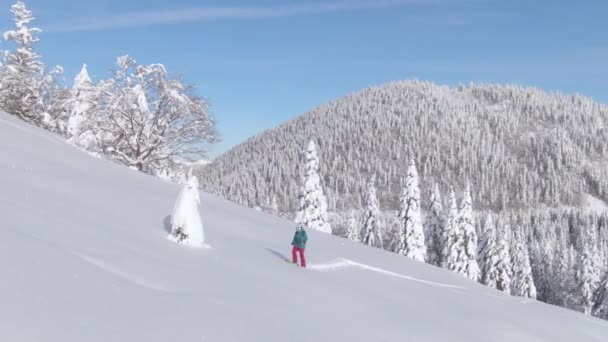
84,257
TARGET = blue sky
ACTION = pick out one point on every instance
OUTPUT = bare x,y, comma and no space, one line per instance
262,62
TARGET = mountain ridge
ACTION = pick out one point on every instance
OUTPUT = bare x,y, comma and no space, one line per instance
535,140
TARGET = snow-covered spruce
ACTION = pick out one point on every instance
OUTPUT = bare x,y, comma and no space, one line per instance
502,269
186,223
494,256
588,270
523,282
312,212
600,300
452,235
274,206
409,222
353,228
488,254
434,227
26,90
372,232
461,255
84,97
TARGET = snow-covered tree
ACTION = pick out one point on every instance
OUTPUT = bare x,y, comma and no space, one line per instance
186,223
462,249
452,236
146,119
523,282
434,227
25,87
372,233
600,300
352,228
563,272
588,270
312,212
409,221
467,226
502,267
488,254
274,206
83,100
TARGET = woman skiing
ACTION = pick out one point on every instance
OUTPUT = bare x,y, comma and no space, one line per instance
299,244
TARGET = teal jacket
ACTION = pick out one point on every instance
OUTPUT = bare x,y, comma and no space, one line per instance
300,238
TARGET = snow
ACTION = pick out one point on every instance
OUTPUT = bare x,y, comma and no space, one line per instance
594,204
85,258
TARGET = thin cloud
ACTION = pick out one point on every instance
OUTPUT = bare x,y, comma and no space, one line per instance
166,17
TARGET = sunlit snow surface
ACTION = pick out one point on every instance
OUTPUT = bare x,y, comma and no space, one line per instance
84,257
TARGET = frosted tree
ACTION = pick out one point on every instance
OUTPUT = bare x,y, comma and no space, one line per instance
83,100
146,119
452,236
372,234
523,282
588,270
600,300
186,223
434,227
467,226
488,254
409,221
502,268
352,228
274,206
563,271
462,249
312,212
24,86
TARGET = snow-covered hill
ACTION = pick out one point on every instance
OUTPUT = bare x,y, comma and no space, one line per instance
84,257
518,147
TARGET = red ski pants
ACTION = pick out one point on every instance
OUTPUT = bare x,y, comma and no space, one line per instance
294,255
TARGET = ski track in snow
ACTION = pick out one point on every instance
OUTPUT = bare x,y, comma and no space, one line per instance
131,278
342,263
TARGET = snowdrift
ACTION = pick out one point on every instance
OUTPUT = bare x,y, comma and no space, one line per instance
84,257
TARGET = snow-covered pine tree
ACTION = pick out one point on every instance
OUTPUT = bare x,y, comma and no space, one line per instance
563,271
434,227
503,267
274,206
488,254
147,119
372,233
409,221
84,98
352,228
23,82
452,237
600,300
467,263
588,270
312,212
186,223
523,282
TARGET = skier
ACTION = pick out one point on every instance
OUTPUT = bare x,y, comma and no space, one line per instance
299,244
